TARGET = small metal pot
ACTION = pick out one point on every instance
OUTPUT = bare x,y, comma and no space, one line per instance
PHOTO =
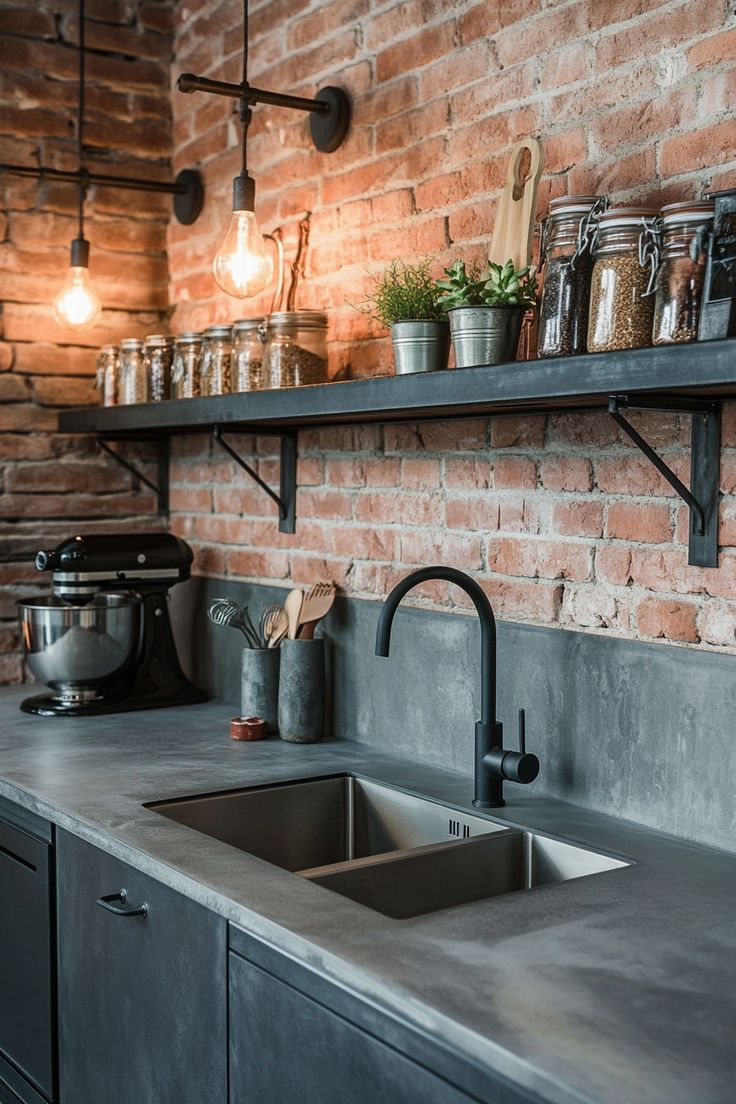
420,346
485,335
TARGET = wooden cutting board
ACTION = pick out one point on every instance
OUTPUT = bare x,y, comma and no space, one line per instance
513,229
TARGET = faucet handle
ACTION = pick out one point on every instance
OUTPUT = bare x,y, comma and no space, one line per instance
518,766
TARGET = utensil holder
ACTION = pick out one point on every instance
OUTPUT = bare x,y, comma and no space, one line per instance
259,685
302,691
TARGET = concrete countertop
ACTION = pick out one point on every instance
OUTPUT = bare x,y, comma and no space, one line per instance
611,989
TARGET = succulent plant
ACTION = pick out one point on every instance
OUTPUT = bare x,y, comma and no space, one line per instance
495,286
403,293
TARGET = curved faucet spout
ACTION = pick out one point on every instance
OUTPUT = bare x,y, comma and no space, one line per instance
493,762
485,615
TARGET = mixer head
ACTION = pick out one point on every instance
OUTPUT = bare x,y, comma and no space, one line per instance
84,565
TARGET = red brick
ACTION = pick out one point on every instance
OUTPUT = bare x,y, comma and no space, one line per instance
566,474
635,521
581,518
673,620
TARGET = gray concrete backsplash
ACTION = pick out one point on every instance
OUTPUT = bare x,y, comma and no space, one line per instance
646,732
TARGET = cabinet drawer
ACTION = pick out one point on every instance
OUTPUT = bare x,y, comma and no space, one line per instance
142,999
285,1047
27,991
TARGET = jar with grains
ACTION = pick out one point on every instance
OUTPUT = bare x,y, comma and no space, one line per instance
133,386
159,351
185,366
296,348
215,377
248,368
106,380
566,248
685,229
621,291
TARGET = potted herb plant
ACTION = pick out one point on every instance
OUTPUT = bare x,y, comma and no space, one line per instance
486,309
404,298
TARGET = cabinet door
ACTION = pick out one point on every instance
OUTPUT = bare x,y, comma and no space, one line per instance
285,1047
142,999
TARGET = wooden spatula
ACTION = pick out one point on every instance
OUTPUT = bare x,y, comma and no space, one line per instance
517,206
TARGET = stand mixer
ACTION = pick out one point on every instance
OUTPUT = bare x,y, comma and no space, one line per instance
103,640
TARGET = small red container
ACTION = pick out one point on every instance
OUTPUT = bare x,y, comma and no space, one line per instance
248,728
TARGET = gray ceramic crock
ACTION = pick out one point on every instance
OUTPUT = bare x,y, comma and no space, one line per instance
260,685
420,346
485,335
302,691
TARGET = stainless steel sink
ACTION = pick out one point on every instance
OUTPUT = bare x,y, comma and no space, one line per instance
453,874
392,851
322,821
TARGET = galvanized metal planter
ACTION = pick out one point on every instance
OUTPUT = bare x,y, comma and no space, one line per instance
420,346
485,335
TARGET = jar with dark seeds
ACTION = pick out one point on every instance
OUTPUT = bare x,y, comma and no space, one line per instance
568,264
685,231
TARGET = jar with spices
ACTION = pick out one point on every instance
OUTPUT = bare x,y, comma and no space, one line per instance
185,366
685,229
566,248
106,380
133,386
215,376
248,368
296,348
159,353
621,293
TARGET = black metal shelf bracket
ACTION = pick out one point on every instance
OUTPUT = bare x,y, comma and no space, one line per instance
701,497
286,498
161,488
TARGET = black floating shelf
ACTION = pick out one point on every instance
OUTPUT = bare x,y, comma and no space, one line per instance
535,386
693,379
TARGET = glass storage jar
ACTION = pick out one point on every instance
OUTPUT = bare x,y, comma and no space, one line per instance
295,352
621,292
215,377
685,230
133,376
248,366
106,380
186,365
159,352
567,237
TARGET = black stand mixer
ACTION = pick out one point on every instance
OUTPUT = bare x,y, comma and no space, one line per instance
103,640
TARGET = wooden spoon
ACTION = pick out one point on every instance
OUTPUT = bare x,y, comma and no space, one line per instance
317,604
293,609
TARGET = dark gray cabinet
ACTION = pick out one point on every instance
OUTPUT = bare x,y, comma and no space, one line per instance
142,999
286,1047
27,981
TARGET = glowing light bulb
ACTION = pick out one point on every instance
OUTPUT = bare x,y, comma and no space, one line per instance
77,306
242,265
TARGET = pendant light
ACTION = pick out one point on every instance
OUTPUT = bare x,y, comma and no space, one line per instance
77,306
242,266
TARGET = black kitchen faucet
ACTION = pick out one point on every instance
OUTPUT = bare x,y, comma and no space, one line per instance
494,764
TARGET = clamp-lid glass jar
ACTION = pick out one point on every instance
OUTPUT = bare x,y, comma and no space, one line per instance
685,229
159,351
108,370
215,374
186,364
296,348
567,237
133,386
248,363
621,300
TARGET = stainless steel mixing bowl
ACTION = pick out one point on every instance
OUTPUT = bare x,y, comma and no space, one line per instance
78,649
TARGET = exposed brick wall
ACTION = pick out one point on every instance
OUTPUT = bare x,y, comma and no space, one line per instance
51,484
564,521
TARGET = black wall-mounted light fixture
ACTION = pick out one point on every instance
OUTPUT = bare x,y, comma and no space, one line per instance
77,305
242,266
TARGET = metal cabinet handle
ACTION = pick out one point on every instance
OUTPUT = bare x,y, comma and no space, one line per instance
122,896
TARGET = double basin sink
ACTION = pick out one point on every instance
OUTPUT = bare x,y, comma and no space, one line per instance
390,850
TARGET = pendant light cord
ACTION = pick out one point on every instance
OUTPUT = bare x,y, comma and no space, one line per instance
80,121
245,109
